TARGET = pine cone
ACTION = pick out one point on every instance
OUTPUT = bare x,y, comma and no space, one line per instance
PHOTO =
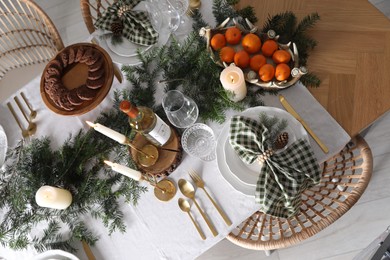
117,28
281,141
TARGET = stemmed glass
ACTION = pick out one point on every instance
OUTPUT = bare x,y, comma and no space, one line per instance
181,7
163,15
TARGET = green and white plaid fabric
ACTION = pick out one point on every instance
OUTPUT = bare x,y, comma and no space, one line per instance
137,26
283,176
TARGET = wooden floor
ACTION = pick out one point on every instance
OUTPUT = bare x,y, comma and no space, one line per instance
344,239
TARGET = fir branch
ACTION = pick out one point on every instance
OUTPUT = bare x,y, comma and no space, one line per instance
310,80
274,125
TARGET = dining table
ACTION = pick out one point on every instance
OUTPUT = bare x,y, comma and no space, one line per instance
160,230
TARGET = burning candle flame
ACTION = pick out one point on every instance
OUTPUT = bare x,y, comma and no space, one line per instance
231,78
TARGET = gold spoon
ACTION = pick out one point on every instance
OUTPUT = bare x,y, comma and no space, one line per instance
189,191
32,127
25,132
185,206
33,113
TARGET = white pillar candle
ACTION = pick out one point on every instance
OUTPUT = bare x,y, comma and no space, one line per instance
52,197
120,138
136,175
232,79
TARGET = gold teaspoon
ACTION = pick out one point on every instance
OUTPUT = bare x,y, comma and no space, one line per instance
189,191
33,113
32,127
185,207
24,131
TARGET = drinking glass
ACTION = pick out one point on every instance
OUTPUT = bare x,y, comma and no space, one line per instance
181,7
181,110
163,15
199,141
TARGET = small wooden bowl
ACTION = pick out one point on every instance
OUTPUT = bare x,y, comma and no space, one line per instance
167,160
76,75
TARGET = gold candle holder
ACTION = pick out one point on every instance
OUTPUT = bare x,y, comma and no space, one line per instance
164,190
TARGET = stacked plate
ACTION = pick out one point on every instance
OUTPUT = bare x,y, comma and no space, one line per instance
125,53
3,146
241,176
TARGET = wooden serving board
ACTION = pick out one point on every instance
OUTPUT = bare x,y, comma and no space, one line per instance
76,75
167,161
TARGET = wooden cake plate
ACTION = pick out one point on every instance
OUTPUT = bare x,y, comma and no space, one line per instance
167,160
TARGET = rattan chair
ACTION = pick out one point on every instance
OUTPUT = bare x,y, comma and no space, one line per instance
92,9
344,179
27,35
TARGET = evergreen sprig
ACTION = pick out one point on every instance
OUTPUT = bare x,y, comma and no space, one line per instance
76,166
287,27
274,125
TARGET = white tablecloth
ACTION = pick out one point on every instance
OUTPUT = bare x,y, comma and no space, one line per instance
159,230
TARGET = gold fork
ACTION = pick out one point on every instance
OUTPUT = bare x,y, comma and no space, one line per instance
200,183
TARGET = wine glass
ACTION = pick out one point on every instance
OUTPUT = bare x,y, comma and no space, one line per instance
181,7
163,15
181,110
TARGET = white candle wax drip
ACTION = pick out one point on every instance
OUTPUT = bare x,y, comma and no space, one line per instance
52,197
120,138
232,79
136,175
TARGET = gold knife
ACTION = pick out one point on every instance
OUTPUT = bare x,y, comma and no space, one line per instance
117,72
291,110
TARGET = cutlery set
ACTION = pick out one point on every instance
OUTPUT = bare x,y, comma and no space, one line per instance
188,190
31,127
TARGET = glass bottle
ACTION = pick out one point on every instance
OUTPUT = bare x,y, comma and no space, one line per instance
146,122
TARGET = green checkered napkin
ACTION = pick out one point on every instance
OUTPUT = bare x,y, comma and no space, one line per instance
283,176
137,26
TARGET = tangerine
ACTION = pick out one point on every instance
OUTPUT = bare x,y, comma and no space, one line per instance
251,43
281,56
241,59
218,41
282,71
257,62
267,72
233,35
269,47
227,54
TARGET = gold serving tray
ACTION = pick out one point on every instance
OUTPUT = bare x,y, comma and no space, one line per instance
252,77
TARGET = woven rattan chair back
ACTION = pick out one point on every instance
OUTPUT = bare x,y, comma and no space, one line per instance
92,9
344,179
27,35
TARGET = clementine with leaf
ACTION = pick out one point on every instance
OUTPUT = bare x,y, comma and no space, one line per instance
257,62
282,71
267,72
218,41
281,56
242,59
251,43
269,47
233,35
227,54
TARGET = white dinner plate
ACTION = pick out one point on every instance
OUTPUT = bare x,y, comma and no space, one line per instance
3,146
126,53
241,176
55,254
251,172
126,48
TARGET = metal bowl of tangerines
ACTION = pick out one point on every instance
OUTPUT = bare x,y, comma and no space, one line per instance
264,61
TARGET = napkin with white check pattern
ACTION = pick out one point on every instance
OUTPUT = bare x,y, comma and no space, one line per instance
284,175
137,26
